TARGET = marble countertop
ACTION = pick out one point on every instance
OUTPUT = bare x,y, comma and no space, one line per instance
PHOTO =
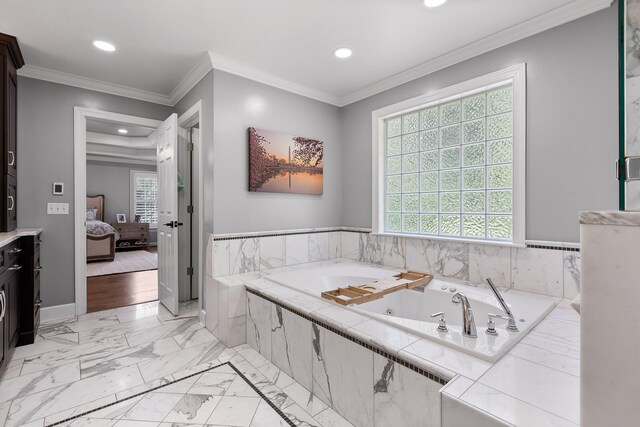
535,383
610,218
10,236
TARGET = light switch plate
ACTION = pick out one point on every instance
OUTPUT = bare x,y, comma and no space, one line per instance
57,208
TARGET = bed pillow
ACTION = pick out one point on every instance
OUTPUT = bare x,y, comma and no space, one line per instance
91,214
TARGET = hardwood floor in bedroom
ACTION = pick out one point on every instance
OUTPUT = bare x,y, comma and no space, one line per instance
119,290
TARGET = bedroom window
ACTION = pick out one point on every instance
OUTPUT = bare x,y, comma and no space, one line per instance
451,164
144,197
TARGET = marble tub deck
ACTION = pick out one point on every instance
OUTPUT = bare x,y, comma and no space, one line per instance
86,362
535,383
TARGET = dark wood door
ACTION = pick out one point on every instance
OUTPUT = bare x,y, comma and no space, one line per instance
12,120
13,306
11,203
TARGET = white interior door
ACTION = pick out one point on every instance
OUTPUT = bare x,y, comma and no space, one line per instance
166,137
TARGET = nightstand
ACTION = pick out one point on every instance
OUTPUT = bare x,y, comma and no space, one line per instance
133,235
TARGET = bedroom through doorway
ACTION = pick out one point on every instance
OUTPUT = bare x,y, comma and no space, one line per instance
122,215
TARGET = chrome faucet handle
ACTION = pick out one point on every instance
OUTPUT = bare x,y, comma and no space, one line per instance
442,322
491,325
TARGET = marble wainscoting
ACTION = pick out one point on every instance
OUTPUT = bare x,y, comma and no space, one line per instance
364,387
252,252
548,268
243,253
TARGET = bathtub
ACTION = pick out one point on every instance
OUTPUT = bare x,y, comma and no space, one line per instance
410,310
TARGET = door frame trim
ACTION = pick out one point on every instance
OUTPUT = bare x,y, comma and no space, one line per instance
188,119
80,116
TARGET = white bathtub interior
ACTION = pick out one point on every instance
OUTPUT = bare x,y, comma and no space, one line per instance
410,310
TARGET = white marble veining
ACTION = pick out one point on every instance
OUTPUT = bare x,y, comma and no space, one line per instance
221,257
318,247
490,262
272,252
342,372
571,273
335,244
610,218
259,324
396,388
444,258
290,349
537,270
297,251
244,255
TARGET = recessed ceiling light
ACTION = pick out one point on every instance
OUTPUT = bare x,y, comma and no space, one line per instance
343,52
434,3
102,45
123,131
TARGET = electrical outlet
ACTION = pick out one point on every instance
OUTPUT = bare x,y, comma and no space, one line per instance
57,208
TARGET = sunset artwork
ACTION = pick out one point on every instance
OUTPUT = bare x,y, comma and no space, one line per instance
280,163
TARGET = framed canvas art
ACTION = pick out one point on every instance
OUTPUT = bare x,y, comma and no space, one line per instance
281,163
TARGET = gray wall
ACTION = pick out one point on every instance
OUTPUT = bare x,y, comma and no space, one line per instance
240,103
45,155
113,180
572,119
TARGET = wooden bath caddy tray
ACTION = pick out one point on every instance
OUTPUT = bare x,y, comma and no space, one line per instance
359,294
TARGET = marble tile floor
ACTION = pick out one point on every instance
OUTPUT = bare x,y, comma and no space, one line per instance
144,367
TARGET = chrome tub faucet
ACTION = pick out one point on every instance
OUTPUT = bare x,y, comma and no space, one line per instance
468,322
511,325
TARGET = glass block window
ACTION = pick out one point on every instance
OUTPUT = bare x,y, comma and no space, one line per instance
449,168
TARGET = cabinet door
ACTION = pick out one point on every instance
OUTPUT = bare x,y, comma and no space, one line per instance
12,121
4,346
13,306
11,221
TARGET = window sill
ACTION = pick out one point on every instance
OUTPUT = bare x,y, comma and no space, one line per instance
452,239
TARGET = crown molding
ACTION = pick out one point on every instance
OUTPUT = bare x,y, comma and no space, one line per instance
231,66
191,79
68,79
540,23
212,60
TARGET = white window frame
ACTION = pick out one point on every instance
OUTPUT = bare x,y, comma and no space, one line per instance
516,76
132,191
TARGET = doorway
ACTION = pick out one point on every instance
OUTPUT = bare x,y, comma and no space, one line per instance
142,283
121,222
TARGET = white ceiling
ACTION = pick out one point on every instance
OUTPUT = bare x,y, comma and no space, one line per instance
111,128
291,41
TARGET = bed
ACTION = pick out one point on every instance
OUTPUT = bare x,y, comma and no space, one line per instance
101,237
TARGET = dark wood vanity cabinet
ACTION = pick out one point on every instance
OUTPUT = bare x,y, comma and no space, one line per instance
30,301
19,294
10,61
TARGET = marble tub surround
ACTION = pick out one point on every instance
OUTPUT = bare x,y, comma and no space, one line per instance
339,373
340,338
535,384
243,253
532,269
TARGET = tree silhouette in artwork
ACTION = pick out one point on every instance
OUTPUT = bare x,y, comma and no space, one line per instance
308,152
259,160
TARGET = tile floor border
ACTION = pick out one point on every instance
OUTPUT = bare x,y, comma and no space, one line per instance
142,393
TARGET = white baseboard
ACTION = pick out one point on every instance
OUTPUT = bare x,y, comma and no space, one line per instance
57,312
